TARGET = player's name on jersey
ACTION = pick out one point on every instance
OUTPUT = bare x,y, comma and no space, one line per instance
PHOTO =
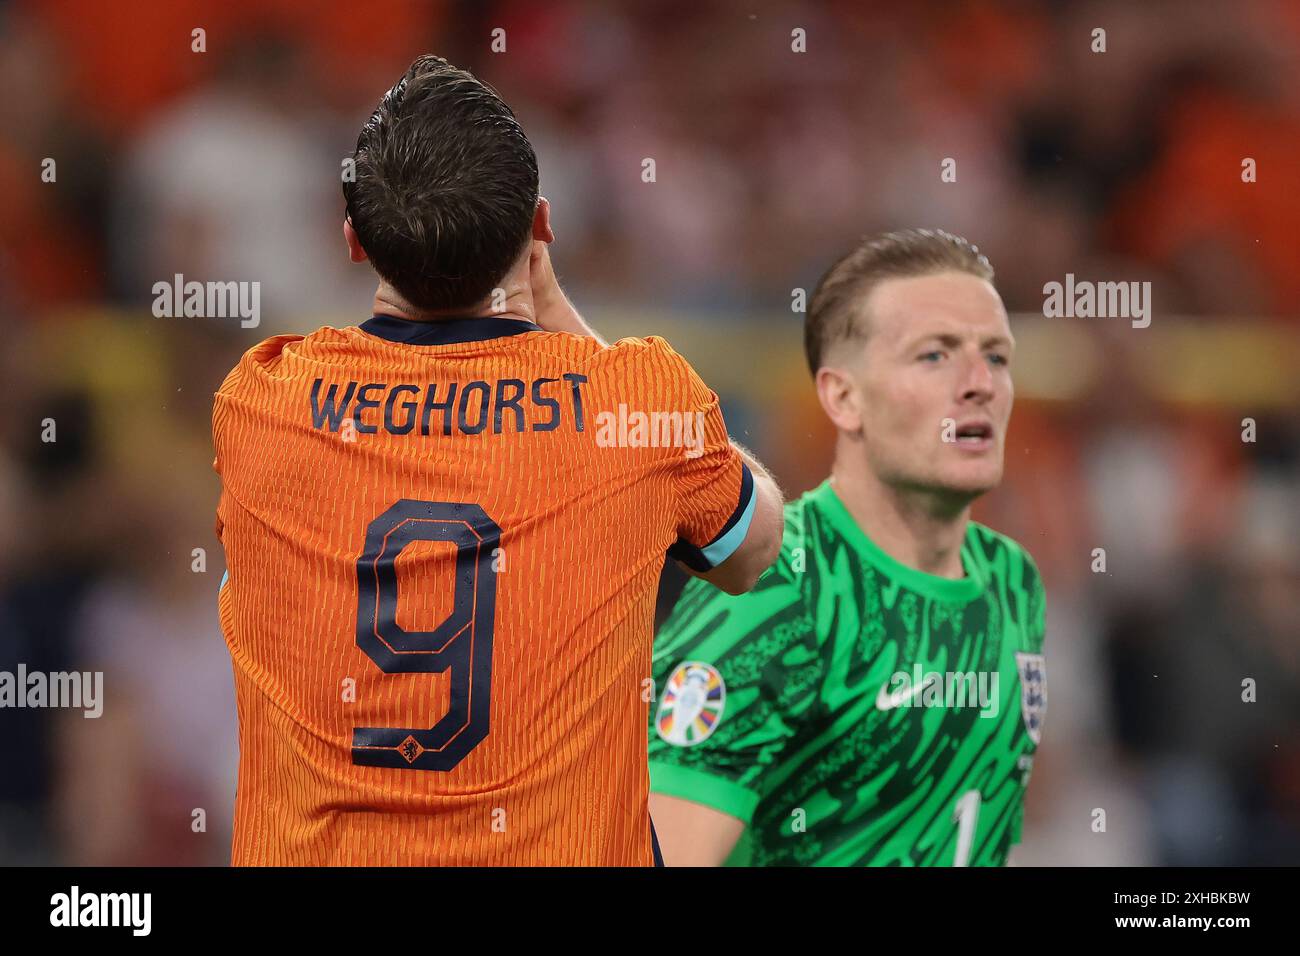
470,408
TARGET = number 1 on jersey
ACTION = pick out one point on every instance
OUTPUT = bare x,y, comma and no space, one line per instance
965,815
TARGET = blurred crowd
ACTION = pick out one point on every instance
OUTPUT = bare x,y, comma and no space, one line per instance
134,149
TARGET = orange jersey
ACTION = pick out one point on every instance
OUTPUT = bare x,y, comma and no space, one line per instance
443,544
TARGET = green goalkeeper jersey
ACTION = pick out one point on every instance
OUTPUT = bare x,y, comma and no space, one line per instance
851,710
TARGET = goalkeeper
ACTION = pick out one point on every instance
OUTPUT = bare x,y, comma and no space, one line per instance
877,698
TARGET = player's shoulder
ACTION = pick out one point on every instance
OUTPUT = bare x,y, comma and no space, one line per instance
650,350
997,550
812,527
269,354
265,354
650,355
1007,557
795,541
650,369
642,346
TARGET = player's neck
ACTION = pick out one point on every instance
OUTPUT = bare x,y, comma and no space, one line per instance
513,301
919,528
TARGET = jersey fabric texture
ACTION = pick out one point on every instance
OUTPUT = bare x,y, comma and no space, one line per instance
851,710
443,542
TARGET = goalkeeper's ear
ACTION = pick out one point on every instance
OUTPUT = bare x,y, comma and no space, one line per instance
838,392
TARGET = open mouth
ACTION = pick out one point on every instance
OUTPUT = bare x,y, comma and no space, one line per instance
974,433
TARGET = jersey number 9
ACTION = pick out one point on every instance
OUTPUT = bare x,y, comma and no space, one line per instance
462,642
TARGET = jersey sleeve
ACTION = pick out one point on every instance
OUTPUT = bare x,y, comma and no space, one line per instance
714,486
736,674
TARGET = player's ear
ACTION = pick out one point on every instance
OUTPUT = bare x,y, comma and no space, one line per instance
355,252
839,398
542,221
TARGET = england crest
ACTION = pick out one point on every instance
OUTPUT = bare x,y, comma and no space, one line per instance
691,705
1033,692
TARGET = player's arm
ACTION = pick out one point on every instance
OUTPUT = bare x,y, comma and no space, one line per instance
693,834
731,512
762,542
708,763
552,309
733,564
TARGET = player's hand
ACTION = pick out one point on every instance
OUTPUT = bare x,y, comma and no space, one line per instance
547,296
552,309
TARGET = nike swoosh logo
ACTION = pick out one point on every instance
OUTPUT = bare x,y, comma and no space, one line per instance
887,701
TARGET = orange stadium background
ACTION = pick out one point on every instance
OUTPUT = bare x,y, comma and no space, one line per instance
1175,448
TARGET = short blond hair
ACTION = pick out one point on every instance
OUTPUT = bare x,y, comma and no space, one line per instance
892,255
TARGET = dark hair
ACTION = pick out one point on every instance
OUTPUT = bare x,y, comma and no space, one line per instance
445,188
836,302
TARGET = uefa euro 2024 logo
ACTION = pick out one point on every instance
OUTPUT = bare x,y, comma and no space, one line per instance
692,704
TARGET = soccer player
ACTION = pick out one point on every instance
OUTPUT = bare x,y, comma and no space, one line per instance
440,580
878,697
